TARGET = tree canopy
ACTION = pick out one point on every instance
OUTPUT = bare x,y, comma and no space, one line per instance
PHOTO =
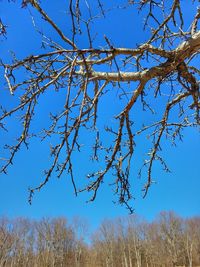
155,74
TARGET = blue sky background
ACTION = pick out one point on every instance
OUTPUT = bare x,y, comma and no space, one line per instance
178,191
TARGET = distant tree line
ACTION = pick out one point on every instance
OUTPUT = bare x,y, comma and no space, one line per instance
123,242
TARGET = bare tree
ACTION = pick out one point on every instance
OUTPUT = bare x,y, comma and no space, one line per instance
171,232
80,228
6,241
104,242
191,239
55,242
159,76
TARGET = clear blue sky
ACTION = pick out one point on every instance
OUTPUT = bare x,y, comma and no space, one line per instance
178,191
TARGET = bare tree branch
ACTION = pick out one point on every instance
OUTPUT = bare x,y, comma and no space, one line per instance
166,62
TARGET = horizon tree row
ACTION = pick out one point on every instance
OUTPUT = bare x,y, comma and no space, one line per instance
168,241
